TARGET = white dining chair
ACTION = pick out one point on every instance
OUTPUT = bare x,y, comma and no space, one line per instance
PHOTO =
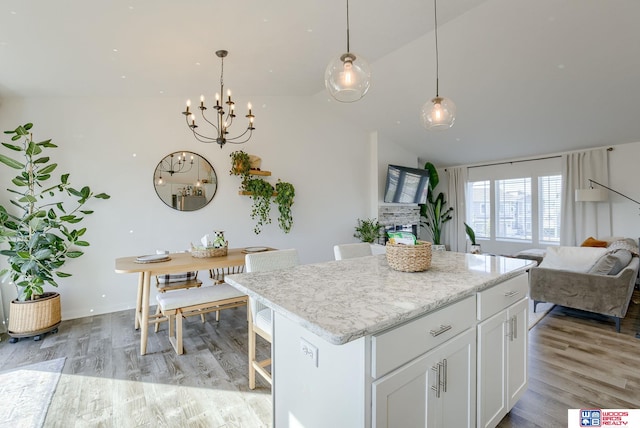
349,251
259,316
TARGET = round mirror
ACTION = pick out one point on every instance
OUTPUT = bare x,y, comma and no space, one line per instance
185,181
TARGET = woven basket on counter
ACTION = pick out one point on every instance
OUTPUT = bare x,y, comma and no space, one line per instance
202,252
409,258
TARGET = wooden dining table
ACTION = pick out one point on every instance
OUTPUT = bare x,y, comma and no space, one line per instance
179,262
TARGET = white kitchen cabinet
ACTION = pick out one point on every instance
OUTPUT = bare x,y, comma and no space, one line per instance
502,362
434,390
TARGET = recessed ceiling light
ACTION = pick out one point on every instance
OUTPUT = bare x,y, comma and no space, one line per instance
197,63
115,50
265,20
397,122
309,30
123,77
561,66
13,12
162,92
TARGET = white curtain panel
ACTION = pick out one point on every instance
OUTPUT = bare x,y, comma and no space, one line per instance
455,235
583,219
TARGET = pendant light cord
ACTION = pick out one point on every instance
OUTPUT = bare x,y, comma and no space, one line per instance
435,20
348,26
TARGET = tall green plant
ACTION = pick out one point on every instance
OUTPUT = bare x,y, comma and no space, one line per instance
434,213
42,235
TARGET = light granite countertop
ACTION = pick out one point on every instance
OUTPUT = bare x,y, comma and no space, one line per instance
344,300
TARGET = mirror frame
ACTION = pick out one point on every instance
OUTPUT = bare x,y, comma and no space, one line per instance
168,166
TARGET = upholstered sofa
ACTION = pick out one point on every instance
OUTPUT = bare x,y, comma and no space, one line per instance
599,280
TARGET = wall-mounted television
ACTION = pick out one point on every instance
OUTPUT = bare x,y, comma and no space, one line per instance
406,185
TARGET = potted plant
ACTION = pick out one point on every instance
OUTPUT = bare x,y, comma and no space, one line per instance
475,248
434,211
40,230
240,164
368,230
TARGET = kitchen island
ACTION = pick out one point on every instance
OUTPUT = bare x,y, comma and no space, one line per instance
354,342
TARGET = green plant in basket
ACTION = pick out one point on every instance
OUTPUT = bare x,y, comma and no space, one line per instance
40,225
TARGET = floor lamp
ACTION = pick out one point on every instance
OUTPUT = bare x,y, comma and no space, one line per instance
597,195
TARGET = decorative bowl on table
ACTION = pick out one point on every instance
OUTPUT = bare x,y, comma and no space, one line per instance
203,252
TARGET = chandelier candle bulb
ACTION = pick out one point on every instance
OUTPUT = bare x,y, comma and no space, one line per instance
202,102
188,105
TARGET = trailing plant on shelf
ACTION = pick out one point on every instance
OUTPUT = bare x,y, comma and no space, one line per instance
368,230
285,192
261,193
240,164
434,211
41,236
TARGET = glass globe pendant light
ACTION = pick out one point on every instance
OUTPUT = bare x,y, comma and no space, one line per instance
439,113
348,77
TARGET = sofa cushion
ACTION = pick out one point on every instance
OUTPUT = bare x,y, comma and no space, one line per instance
576,259
593,242
612,263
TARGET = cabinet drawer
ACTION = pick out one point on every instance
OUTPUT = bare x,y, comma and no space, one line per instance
396,347
494,299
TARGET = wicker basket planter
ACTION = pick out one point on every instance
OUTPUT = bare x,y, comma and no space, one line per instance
33,317
409,258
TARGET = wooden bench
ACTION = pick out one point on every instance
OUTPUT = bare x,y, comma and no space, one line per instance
180,304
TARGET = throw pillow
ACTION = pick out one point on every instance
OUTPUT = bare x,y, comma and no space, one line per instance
612,263
624,244
576,259
593,242
177,277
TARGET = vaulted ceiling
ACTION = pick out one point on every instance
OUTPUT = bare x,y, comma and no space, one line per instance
528,77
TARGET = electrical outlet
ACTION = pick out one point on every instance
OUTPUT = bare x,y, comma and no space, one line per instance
309,351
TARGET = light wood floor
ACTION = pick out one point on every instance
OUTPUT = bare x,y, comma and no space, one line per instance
574,363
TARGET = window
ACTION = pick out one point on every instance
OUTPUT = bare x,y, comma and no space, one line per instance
549,196
513,203
480,208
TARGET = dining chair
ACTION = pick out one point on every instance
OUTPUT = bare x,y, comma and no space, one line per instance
259,316
174,281
349,251
217,274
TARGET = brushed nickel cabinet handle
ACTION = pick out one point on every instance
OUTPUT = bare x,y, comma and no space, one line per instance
436,386
511,293
441,330
444,375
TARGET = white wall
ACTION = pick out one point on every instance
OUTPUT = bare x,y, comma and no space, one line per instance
114,145
624,176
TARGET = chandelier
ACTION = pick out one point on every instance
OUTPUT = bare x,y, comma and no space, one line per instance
348,77
439,113
171,166
224,118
